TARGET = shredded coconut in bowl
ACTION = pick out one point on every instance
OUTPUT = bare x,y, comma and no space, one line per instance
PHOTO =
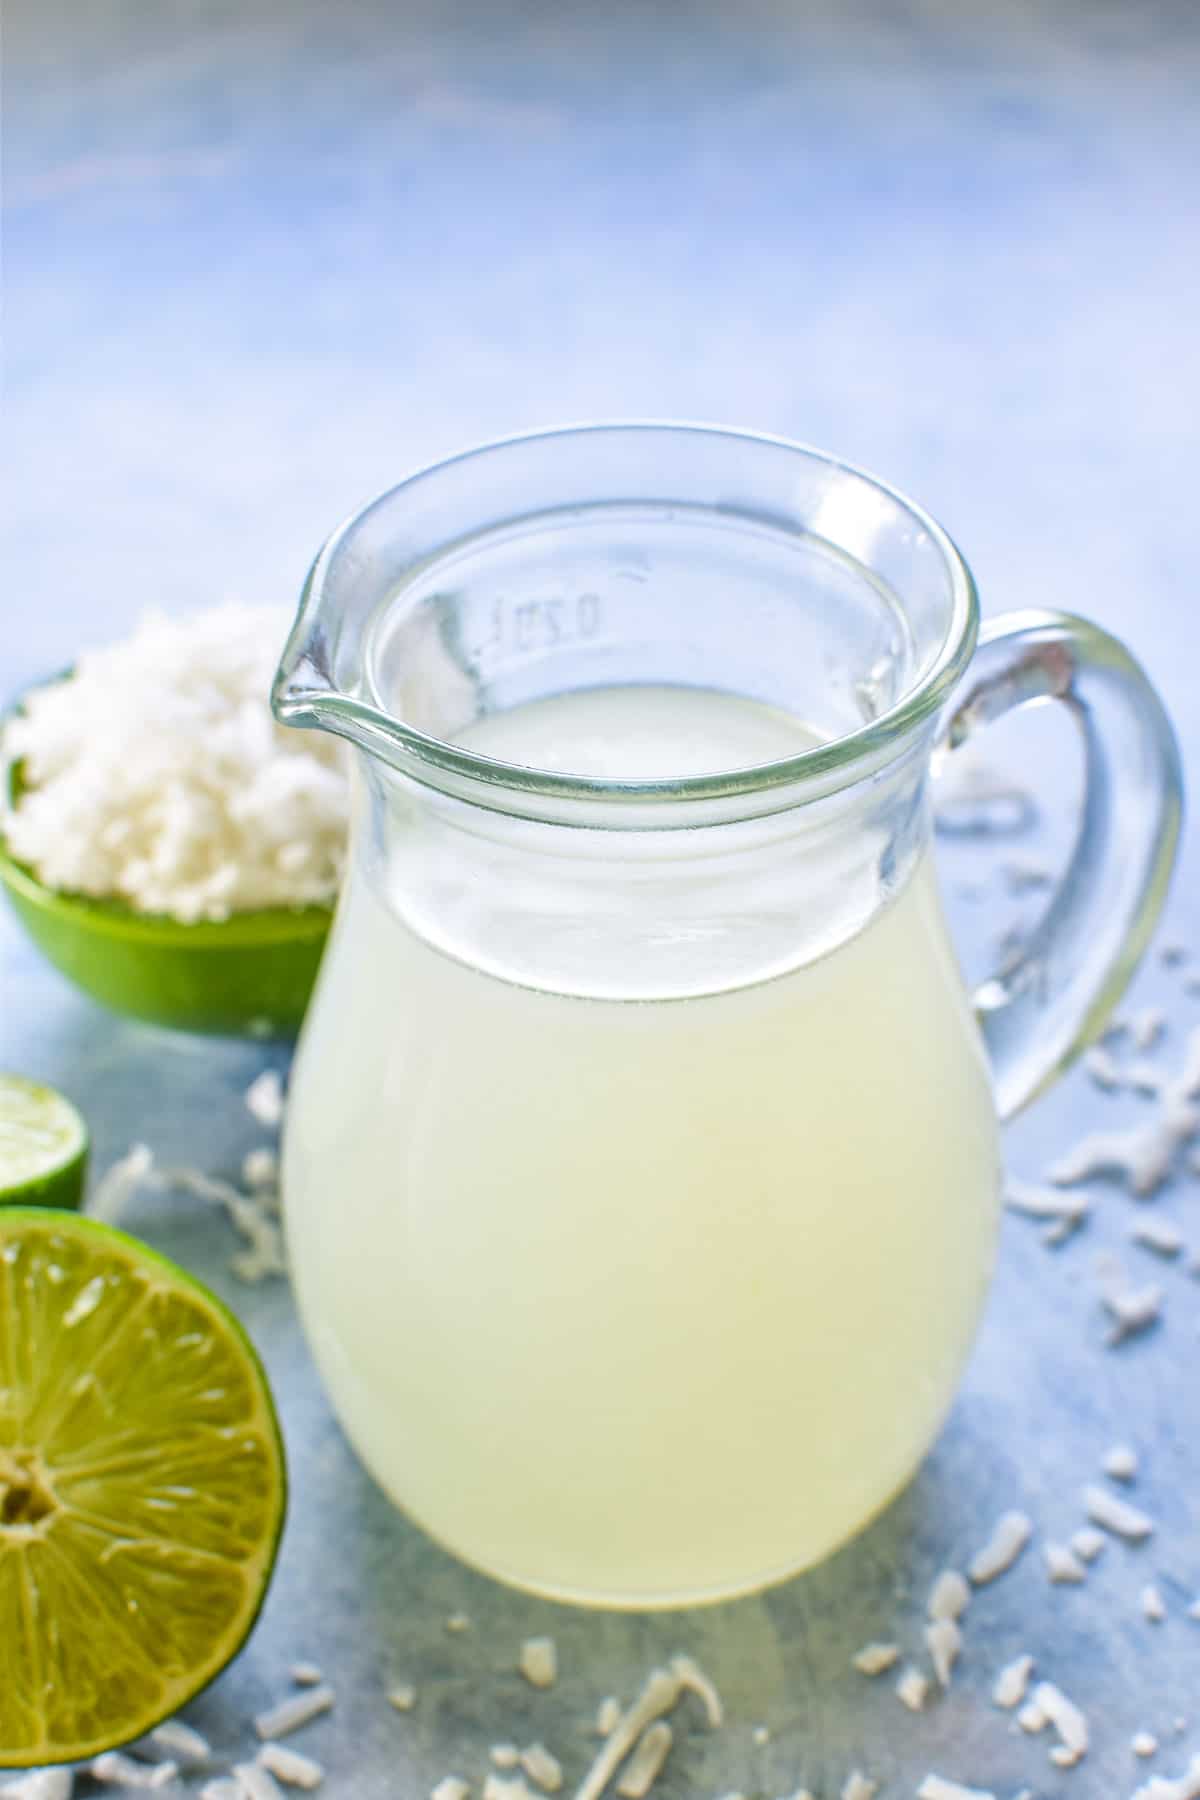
154,774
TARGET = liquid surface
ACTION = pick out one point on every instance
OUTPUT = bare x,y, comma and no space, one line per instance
641,1302
641,733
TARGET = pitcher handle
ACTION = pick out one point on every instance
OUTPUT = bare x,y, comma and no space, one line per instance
1043,1007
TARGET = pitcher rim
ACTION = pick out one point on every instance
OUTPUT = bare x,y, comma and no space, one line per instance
826,767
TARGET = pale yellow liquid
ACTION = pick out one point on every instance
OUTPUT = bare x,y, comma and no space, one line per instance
641,1302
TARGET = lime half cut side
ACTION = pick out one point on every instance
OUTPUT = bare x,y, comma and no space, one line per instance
43,1146
142,1487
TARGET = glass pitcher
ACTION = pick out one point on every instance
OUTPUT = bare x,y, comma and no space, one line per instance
641,1169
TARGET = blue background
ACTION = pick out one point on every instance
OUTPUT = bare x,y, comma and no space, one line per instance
264,259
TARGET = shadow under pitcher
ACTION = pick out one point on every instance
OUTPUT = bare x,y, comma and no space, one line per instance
641,1169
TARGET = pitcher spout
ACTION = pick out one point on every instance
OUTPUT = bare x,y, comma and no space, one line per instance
320,669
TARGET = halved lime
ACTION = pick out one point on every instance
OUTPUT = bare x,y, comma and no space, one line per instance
43,1145
142,1487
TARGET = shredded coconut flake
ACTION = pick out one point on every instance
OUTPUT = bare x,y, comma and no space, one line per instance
1063,1566
1087,1543
538,1662
257,1782
41,1784
1143,1743
306,1674
1142,1156
949,1597
1062,1213
693,1680
936,1787
291,1714
119,1183
505,1787
1012,1683
542,1767
1154,1607
1158,1235
859,1786
260,1168
225,1788
259,1232
1184,1787
1132,1310
912,1689
264,1099
451,1787
403,1697
645,1765
944,1641
505,1756
875,1659
1116,1515
608,1715
115,1769
659,1694
178,1740
1032,1719
458,1622
1064,1715
290,1767
262,1255
1011,1534
1121,1463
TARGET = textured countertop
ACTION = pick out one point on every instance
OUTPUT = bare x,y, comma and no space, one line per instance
262,260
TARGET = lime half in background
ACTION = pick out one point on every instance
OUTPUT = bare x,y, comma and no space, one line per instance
43,1146
142,1487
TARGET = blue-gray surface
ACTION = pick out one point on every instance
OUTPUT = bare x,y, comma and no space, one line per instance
262,259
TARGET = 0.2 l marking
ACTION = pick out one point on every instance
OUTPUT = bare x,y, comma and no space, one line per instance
523,627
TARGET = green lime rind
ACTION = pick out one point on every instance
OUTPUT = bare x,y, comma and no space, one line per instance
237,975
43,1146
143,1487
60,1192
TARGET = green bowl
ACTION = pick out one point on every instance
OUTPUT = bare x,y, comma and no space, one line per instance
250,974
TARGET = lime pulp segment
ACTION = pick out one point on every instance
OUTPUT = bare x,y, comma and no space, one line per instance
142,1487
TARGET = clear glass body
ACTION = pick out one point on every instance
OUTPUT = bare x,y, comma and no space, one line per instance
641,1165
657,1292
